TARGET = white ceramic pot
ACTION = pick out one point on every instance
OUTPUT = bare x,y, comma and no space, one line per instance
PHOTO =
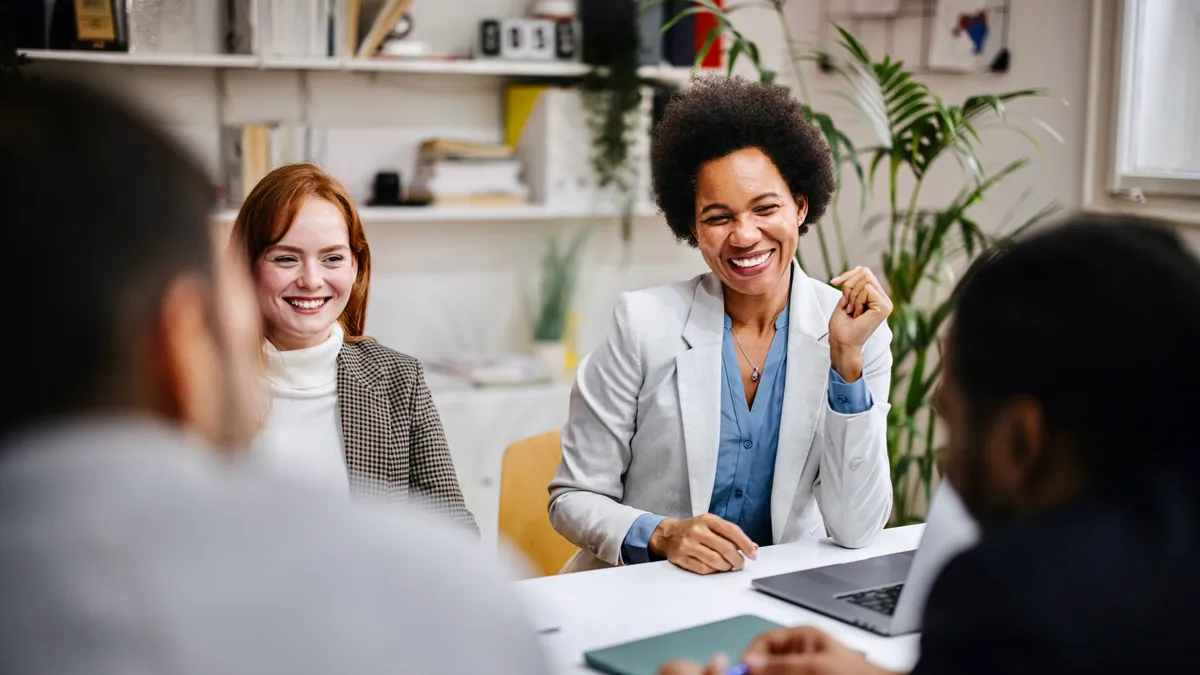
553,353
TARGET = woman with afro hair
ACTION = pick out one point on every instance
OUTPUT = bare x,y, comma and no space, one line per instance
747,406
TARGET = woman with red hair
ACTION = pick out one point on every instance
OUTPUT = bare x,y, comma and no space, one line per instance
347,412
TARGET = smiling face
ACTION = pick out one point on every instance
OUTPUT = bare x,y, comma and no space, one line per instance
305,279
747,221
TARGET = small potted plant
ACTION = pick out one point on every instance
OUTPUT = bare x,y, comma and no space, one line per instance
560,270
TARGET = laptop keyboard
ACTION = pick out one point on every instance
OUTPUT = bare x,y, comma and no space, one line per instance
882,600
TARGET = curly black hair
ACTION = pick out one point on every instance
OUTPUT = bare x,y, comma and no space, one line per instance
717,116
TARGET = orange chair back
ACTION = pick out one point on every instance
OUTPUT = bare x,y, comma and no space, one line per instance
529,465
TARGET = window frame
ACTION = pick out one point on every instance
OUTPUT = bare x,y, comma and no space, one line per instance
1125,176
1109,185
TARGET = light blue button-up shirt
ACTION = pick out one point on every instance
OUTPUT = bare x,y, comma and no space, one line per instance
748,441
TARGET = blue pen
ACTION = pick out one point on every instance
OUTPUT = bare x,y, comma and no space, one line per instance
739,669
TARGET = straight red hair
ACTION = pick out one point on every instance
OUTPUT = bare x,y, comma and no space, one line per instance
268,214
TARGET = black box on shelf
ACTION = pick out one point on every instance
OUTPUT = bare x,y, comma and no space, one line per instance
614,28
27,24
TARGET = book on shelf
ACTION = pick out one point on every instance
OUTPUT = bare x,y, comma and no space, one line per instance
289,28
251,151
487,176
448,148
480,201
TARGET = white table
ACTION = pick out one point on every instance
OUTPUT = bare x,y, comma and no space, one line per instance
607,607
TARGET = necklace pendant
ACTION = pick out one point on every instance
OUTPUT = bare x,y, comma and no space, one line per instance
754,375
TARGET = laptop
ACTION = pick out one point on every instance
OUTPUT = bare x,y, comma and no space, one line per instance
886,594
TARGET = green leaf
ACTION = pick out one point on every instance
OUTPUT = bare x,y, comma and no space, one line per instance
722,21
879,157
986,101
918,388
738,47
1051,131
1042,214
868,99
971,160
974,195
708,44
855,47
969,230
974,106
752,47
914,103
852,159
888,72
904,92
714,9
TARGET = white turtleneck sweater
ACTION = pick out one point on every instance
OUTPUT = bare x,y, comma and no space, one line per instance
303,433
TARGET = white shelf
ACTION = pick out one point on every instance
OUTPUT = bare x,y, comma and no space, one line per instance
432,214
478,67
145,59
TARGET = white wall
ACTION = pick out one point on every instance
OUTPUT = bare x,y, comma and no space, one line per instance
442,286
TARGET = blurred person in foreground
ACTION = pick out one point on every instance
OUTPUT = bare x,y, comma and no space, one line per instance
132,540
347,413
746,406
1084,476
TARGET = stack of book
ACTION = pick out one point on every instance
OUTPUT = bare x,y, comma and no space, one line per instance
462,173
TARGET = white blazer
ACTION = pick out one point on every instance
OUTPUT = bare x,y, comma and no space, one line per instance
645,414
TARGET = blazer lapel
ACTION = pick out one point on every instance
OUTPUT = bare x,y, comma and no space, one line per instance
698,375
803,397
365,427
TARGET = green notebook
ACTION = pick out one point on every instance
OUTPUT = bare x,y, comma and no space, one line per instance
700,644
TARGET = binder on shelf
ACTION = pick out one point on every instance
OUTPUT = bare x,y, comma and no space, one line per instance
679,42
547,127
242,27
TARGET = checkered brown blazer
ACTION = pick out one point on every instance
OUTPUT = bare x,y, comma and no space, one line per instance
395,446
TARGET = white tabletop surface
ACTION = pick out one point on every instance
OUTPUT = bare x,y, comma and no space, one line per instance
606,607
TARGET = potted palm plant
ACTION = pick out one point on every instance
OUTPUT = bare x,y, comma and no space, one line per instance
913,128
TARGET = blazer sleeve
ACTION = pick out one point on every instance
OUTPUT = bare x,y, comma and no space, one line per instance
586,492
854,484
434,480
